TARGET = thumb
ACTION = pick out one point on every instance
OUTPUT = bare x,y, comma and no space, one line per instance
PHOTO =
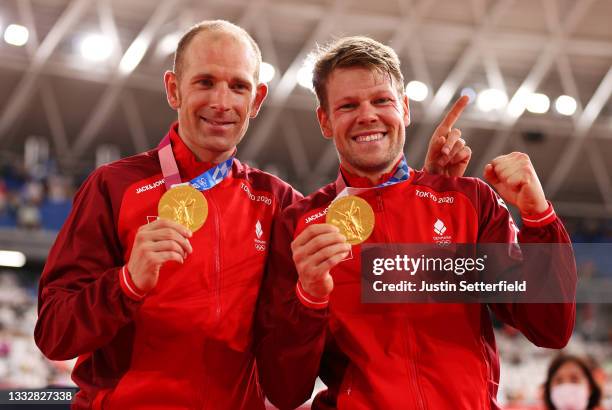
490,176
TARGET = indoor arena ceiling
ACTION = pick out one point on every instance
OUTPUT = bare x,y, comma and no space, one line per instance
554,47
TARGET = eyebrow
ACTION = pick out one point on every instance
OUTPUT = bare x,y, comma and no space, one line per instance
234,79
376,94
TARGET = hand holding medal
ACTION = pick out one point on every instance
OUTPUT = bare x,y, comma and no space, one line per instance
182,210
155,244
320,247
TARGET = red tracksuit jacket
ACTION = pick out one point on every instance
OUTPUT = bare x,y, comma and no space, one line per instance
399,356
186,344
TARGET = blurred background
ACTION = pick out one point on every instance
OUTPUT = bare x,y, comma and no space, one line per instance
81,82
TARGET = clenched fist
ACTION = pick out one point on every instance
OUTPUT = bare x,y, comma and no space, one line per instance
156,243
516,181
316,250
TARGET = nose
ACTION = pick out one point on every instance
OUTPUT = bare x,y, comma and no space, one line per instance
219,100
366,114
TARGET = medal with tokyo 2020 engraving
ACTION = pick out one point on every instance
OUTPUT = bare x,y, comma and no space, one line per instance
185,205
353,216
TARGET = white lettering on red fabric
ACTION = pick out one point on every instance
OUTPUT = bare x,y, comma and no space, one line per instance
149,187
257,198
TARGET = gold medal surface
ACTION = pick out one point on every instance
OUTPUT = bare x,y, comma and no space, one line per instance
185,205
353,216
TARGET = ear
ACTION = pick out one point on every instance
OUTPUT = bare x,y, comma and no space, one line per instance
172,90
261,91
323,118
406,109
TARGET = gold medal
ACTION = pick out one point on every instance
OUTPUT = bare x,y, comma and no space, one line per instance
353,216
185,205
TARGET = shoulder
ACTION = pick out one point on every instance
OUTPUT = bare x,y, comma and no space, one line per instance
467,185
133,168
311,208
119,175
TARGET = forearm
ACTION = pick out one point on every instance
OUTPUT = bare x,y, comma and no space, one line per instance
289,335
289,352
545,324
73,322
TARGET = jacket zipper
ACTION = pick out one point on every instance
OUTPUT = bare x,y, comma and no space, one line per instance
379,201
349,375
217,252
380,208
413,367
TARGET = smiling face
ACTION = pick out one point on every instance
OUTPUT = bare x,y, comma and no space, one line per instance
216,94
366,118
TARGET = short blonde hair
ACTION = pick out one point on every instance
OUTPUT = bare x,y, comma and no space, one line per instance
356,51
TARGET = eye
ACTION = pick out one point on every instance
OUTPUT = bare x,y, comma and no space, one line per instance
348,106
382,100
240,87
206,82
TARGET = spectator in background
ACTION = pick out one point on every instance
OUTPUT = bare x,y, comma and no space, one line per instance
570,385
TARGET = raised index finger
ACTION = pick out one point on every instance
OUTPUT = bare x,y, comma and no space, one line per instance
455,112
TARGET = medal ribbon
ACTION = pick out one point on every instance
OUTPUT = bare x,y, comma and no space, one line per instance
202,182
402,173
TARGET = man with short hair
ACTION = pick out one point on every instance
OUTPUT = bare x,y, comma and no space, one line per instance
311,320
159,315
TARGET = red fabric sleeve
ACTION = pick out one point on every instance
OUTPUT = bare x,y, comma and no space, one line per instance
81,304
290,337
544,324
128,286
541,219
308,300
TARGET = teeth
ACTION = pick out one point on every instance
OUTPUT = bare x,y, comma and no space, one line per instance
370,137
215,122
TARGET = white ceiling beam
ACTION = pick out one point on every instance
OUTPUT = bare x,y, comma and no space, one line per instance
453,80
404,38
56,124
510,40
108,25
27,16
127,64
281,92
494,75
449,86
26,87
568,82
544,62
135,123
583,126
251,15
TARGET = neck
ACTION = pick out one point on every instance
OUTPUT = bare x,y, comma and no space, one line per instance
205,155
210,156
373,176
